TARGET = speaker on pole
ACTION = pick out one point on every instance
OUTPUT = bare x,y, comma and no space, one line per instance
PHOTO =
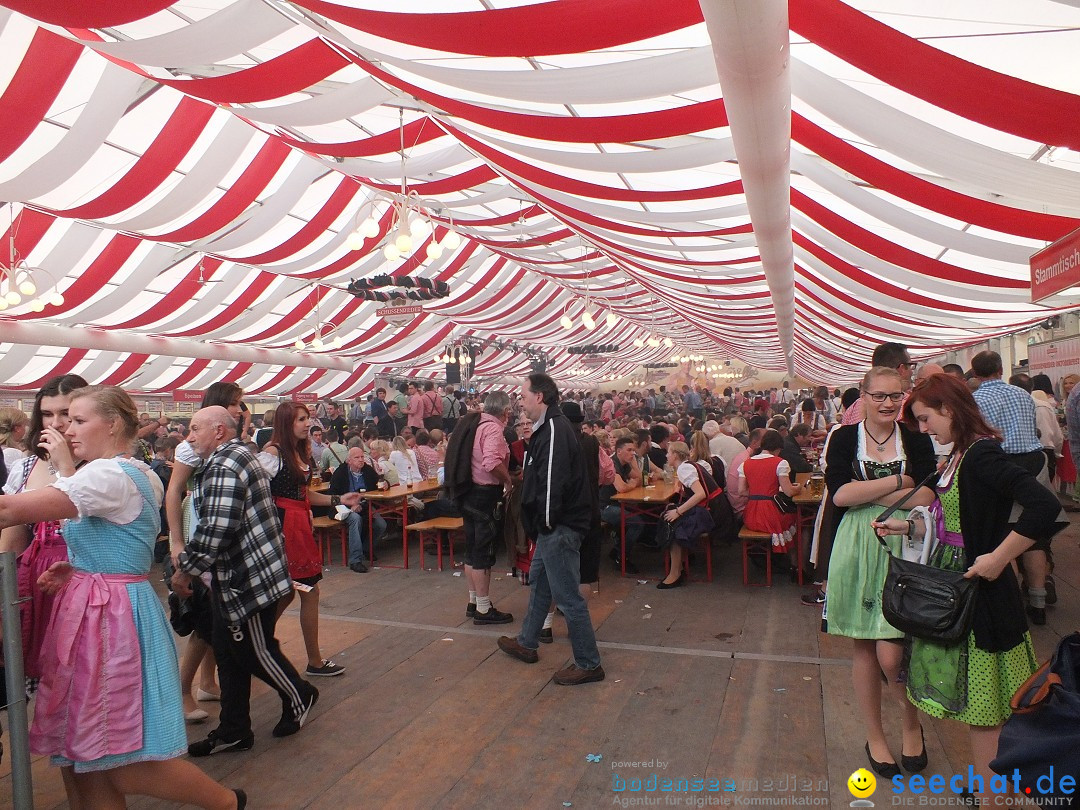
453,373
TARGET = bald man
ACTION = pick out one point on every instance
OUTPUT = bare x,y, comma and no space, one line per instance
926,369
238,540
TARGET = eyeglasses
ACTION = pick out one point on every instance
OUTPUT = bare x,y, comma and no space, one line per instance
878,396
910,364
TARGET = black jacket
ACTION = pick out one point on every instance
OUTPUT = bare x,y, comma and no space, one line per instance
792,454
555,489
341,484
989,483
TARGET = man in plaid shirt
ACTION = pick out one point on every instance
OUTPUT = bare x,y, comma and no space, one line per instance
239,539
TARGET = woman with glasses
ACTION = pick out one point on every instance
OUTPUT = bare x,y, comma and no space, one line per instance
869,466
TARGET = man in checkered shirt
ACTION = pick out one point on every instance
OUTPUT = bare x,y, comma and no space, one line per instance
239,539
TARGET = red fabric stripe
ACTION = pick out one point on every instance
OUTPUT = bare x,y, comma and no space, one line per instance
274,381
316,375
567,26
894,253
564,128
100,272
29,226
233,310
291,72
859,277
67,363
448,185
416,133
173,300
239,196
43,71
1032,111
237,371
196,368
154,166
1002,218
126,369
586,189
98,14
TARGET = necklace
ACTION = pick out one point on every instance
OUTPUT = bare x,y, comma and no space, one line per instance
880,444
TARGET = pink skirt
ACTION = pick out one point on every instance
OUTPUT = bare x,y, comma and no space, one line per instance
46,548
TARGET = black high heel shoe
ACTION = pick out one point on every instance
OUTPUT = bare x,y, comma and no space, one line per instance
886,769
916,764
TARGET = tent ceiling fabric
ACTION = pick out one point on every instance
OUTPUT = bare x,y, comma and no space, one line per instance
785,183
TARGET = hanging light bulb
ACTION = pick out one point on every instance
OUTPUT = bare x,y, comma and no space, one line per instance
403,242
37,305
612,318
337,342
445,356
668,342
13,298
56,298
653,342
370,228
588,320
434,250
639,343
3,303
418,228
452,361
317,344
27,285
298,345
451,241
436,359
391,253
355,241
565,322
675,359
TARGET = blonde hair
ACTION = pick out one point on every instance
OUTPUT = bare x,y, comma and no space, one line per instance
878,372
680,449
114,404
738,425
11,419
400,444
699,447
380,448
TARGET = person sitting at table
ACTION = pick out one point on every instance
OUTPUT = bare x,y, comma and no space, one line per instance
761,477
627,477
689,518
356,475
380,460
404,461
797,440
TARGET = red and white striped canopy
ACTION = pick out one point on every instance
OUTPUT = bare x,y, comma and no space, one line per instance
786,184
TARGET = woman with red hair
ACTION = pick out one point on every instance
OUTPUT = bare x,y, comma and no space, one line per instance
287,459
973,681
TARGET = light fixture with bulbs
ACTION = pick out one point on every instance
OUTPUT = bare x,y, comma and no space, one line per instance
17,281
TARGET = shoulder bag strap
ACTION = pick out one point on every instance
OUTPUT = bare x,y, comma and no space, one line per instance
899,505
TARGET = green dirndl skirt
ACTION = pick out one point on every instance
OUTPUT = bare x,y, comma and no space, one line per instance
963,682
857,568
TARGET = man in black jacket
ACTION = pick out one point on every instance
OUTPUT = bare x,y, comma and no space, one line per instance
356,475
797,438
556,509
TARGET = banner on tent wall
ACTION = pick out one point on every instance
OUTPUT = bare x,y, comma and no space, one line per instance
187,396
308,399
1056,267
1055,358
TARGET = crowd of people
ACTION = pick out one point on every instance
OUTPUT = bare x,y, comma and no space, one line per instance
96,492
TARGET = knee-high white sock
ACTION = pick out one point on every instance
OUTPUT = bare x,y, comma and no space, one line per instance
549,620
472,597
483,604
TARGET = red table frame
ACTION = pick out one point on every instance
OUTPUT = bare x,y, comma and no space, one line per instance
396,501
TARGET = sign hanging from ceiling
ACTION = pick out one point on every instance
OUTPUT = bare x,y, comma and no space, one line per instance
1056,267
400,315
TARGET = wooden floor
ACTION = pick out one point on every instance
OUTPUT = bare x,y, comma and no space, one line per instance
714,681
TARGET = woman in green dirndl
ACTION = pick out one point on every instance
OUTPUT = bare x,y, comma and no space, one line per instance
973,681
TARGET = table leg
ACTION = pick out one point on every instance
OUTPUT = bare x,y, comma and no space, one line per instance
622,538
371,532
405,532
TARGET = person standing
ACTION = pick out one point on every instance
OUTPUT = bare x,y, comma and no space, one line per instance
238,538
414,408
555,509
1011,410
490,479
108,704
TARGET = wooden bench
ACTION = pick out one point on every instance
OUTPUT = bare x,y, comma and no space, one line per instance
323,528
437,530
757,543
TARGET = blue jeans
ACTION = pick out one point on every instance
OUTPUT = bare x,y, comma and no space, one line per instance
357,523
555,573
635,526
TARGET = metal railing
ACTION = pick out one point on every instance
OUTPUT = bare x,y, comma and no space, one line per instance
22,789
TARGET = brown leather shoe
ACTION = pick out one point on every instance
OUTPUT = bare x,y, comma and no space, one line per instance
573,675
511,647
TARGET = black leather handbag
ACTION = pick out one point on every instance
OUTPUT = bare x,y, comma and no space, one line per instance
926,602
785,504
923,601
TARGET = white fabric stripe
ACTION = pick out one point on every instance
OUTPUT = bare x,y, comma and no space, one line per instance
258,645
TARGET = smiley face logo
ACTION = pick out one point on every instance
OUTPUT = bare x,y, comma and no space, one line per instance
862,784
